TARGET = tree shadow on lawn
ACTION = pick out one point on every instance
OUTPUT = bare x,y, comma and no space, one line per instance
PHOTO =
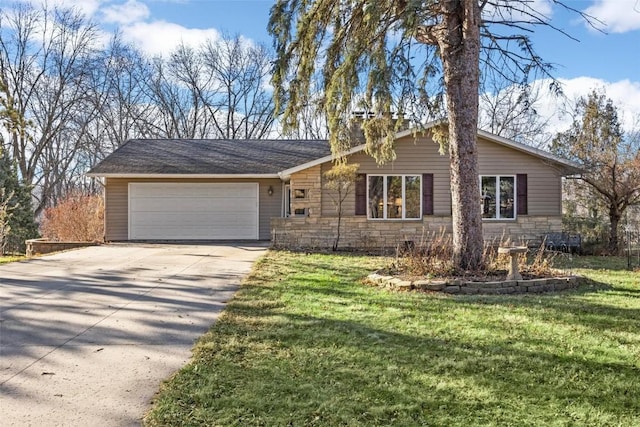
424,376
574,306
626,293
334,368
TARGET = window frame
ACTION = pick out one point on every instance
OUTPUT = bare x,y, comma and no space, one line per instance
286,201
404,198
515,197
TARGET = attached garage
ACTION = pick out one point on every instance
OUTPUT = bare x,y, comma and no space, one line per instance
198,189
193,211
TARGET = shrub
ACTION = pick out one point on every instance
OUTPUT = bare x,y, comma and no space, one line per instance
432,257
78,217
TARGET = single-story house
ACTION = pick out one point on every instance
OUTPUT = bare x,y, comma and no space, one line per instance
188,189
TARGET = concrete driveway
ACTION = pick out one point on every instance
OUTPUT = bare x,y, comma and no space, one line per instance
86,336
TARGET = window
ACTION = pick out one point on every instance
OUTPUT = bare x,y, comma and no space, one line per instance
394,196
498,197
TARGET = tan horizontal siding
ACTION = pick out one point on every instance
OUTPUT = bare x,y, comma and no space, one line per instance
412,157
422,156
270,206
116,225
117,203
544,181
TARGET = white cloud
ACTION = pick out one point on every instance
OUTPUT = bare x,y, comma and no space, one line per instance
161,37
134,20
625,95
87,7
618,16
556,111
126,13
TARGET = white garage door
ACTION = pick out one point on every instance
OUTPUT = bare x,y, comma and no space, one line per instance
197,211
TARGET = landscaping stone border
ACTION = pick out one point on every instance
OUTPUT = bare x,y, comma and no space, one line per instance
44,246
457,286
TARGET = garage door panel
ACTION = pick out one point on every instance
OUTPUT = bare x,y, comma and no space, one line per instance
193,190
214,205
154,219
176,211
187,233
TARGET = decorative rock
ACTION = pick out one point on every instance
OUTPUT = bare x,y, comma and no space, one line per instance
475,285
404,285
458,286
375,278
532,282
548,287
437,285
492,285
429,285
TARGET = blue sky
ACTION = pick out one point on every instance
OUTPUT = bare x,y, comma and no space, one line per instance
609,60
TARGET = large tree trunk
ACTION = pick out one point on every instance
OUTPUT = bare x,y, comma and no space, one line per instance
459,44
614,220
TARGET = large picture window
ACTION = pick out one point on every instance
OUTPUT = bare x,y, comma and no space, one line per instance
498,197
394,196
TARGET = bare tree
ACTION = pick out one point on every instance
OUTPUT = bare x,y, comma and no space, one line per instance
117,109
45,59
240,72
124,109
510,110
340,180
312,118
217,91
610,158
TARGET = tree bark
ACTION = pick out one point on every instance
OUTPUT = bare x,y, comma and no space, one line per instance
459,44
614,220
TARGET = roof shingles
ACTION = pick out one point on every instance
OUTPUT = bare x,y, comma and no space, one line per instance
210,156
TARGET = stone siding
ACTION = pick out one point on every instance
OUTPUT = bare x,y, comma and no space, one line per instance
360,232
310,182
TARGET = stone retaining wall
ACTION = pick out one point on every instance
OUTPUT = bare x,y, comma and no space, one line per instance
44,246
469,288
360,232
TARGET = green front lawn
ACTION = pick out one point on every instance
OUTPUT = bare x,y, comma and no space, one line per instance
304,343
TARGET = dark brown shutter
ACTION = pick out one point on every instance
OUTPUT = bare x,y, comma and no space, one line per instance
361,194
427,194
521,188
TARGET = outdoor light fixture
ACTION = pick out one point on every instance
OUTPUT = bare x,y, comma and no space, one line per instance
270,190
